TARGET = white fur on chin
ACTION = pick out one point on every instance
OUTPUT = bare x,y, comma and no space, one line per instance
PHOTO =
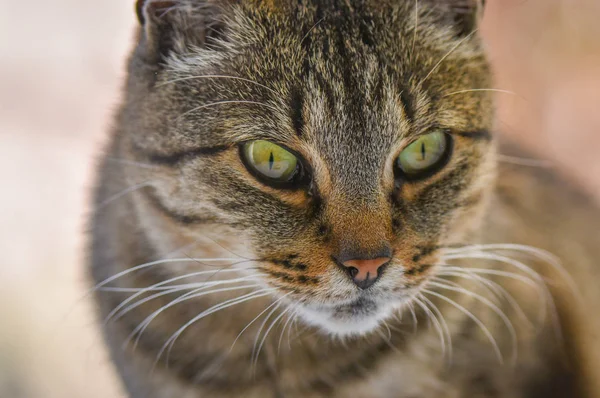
324,319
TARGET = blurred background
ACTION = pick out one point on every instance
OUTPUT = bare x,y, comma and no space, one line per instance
61,67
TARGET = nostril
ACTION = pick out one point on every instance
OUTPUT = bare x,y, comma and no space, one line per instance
352,271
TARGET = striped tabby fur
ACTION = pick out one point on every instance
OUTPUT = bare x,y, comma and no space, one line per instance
213,284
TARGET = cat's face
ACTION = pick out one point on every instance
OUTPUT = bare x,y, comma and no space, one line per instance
344,147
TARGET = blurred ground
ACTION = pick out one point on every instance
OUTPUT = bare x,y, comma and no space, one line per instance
61,64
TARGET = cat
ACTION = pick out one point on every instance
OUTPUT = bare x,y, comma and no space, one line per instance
304,198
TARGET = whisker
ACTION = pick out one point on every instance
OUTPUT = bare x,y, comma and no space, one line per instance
187,78
252,321
545,255
226,304
538,286
157,262
496,257
133,163
260,329
523,267
443,323
294,325
285,325
465,275
388,338
483,328
399,314
227,102
414,317
227,249
129,289
183,248
467,37
541,254
163,288
228,268
101,286
394,328
388,330
298,331
506,274
431,316
119,195
262,342
493,307
525,161
118,314
199,292
414,41
495,288
495,90
311,29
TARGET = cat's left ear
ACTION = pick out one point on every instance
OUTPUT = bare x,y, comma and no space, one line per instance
467,14
174,26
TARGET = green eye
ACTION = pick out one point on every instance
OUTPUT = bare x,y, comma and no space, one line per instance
425,154
270,161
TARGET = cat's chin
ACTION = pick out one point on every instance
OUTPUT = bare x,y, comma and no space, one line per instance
355,319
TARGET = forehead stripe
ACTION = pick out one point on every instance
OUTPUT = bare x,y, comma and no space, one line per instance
296,106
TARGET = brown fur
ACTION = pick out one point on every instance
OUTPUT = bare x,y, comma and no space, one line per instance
346,85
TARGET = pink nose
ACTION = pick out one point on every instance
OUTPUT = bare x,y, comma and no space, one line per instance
364,272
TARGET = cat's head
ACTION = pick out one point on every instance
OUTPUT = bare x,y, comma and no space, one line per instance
344,142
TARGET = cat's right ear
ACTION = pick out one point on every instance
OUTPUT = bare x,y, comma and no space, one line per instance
174,26
463,15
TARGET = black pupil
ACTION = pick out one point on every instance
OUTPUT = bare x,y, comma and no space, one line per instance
271,161
423,151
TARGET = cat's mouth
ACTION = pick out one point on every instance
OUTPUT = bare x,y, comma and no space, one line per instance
356,317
